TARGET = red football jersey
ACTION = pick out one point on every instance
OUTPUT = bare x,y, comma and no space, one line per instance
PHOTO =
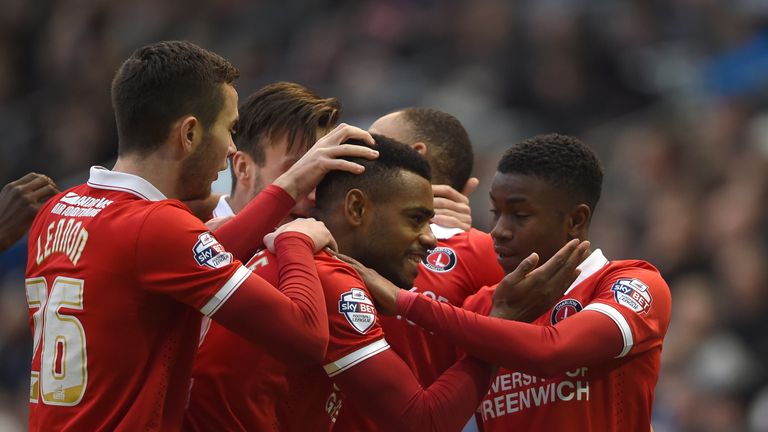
461,264
239,386
115,300
614,396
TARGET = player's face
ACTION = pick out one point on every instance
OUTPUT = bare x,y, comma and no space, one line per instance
202,167
399,235
278,158
529,215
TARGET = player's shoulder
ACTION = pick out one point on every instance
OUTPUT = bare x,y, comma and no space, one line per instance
637,284
634,269
334,270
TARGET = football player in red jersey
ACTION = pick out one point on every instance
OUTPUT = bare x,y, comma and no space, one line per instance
463,260
120,273
589,363
382,218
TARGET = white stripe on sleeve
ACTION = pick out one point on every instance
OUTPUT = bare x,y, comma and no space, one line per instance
221,296
351,359
621,322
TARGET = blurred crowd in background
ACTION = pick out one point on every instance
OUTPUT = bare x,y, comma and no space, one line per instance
672,94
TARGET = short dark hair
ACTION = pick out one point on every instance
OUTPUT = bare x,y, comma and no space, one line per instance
561,160
161,82
393,157
450,150
282,108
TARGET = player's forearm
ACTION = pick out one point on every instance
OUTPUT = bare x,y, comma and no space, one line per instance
585,339
384,388
300,283
244,235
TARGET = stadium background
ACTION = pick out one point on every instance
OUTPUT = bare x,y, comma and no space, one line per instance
672,94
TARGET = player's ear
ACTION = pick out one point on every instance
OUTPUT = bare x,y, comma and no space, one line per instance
242,165
420,147
189,133
577,221
355,207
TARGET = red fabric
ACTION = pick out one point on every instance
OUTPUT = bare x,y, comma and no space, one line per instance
457,268
123,306
238,386
566,376
244,235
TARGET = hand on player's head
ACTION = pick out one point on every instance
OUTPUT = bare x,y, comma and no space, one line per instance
19,202
325,156
529,291
452,208
312,228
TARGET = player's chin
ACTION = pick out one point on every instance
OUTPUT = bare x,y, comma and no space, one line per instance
508,262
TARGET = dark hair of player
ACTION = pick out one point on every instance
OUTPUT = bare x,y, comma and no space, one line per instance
448,144
562,161
394,157
161,82
283,108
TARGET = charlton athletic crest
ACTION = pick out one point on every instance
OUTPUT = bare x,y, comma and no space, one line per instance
440,260
564,309
358,309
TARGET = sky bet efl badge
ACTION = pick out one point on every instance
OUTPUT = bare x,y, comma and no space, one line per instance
633,294
358,309
440,260
209,253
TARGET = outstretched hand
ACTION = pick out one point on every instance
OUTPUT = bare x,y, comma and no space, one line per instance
528,291
383,291
19,202
314,229
325,156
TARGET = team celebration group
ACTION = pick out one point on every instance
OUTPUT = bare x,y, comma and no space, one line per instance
339,286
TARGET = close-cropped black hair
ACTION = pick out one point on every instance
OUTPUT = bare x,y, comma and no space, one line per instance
161,82
450,150
561,160
394,157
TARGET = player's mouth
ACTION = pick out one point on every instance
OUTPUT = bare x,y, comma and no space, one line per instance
414,258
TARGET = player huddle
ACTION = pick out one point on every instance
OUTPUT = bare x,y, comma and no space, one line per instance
366,301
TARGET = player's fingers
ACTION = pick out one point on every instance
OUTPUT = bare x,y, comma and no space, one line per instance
526,266
470,186
26,179
43,194
351,150
344,132
343,165
449,193
562,262
446,204
36,182
451,222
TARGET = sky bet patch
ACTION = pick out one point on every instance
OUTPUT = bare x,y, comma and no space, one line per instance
358,309
209,253
633,294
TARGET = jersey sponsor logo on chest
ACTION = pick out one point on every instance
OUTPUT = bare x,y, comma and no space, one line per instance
440,260
358,309
633,294
209,253
564,309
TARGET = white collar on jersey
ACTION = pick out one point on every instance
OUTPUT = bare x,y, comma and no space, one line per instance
594,262
223,208
102,178
443,233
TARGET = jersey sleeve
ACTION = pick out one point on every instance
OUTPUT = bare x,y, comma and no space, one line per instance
354,327
185,262
244,235
639,303
585,339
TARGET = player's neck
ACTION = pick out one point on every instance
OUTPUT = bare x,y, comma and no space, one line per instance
156,170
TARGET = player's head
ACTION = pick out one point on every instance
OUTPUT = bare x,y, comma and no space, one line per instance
381,217
176,92
278,124
543,194
437,135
